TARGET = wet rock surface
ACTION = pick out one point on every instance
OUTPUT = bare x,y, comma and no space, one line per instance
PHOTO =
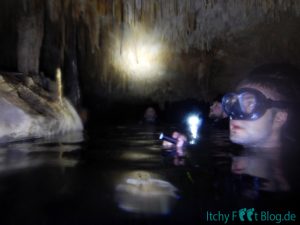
28,110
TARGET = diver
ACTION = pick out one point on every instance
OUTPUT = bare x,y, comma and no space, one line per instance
150,116
259,110
219,118
263,120
262,112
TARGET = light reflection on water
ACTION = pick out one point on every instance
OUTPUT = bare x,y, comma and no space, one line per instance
144,192
36,152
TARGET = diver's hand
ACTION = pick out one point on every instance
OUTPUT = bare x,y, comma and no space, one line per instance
181,140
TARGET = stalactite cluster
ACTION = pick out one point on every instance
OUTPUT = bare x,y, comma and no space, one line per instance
184,23
86,37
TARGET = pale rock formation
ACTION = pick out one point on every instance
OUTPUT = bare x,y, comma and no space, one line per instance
27,110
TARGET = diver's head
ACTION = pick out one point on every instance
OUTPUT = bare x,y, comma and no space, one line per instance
216,111
150,115
259,108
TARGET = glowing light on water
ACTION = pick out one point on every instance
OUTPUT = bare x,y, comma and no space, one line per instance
141,192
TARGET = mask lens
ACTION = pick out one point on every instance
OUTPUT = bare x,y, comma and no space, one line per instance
228,102
245,105
247,102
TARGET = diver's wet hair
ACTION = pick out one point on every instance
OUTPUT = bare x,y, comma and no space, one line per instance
282,78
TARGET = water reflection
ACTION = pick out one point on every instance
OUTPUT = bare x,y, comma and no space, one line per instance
174,156
56,150
265,166
144,192
237,173
112,179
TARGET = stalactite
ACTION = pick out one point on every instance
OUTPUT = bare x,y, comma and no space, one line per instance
30,35
55,9
93,23
78,8
59,85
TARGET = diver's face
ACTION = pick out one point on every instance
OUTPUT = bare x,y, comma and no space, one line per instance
262,132
216,110
252,133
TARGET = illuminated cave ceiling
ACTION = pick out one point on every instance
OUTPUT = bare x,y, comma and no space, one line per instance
183,24
165,49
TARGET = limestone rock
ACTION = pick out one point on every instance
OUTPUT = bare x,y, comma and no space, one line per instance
27,110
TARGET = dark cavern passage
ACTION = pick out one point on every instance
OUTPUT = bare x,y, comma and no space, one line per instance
89,87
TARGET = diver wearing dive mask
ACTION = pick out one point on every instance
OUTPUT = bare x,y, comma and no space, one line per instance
249,104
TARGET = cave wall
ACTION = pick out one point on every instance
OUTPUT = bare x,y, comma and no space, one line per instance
200,46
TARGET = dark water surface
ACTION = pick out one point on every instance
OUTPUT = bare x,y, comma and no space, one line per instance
122,175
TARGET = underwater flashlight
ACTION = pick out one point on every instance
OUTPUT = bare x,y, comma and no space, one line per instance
194,122
167,138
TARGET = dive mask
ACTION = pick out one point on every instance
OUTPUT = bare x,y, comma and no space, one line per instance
248,104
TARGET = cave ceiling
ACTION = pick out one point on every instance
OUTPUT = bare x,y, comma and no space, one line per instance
160,49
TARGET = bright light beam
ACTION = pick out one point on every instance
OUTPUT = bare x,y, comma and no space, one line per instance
194,122
142,54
